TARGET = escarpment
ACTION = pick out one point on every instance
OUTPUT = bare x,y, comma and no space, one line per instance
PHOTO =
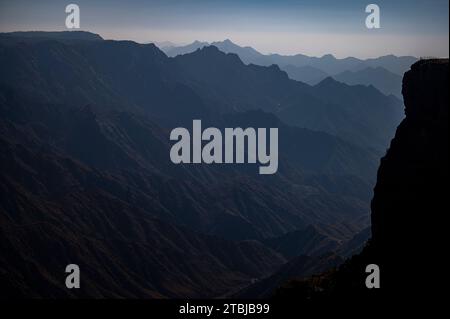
410,198
409,206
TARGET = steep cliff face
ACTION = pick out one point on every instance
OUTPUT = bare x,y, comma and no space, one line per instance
410,198
417,161
408,208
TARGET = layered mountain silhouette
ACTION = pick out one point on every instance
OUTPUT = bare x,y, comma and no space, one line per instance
86,176
351,112
384,73
327,63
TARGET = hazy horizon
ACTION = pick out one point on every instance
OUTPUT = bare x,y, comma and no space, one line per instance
315,28
159,44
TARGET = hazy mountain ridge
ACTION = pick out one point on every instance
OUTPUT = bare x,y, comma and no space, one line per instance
327,63
85,128
200,93
386,81
351,112
383,72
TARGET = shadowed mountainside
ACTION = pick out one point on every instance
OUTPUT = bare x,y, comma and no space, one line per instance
86,176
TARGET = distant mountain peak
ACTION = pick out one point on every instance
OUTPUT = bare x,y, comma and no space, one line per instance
329,56
211,51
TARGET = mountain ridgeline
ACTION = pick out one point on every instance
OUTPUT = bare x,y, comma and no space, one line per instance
86,176
385,73
359,114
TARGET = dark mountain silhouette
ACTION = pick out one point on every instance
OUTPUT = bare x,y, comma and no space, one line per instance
246,54
384,80
412,178
407,208
86,176
120,75
354,113
384,73
328,63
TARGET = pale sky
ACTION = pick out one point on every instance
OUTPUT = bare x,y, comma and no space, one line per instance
408,27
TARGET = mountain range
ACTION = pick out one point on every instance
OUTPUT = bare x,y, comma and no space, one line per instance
385,73
354,113
86,176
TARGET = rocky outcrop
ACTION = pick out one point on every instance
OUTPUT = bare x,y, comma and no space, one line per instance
410,198
408,208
